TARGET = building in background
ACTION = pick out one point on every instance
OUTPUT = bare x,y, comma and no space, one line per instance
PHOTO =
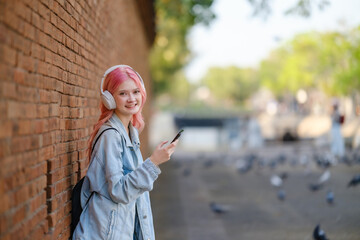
52,56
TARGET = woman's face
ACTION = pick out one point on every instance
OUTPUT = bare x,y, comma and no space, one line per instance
128,99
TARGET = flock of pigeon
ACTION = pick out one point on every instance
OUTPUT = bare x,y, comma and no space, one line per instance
323,161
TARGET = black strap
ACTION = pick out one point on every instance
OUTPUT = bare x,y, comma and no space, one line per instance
92,149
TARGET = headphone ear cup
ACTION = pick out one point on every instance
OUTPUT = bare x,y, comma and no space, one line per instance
108,100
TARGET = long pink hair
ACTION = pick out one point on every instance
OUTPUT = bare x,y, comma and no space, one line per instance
112,81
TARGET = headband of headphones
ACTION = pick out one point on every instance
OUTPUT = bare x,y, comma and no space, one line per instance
115,67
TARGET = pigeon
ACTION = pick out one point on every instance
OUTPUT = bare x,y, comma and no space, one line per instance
281,159
273,164
208,163
281,195
276,181
354,181
243,166
186,172
319,234
322,161
315,186
283,175
346,159
176,164
217,208
330,197
324,177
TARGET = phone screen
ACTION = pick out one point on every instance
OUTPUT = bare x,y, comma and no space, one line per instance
177,135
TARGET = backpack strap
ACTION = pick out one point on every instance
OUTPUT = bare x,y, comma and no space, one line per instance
92,149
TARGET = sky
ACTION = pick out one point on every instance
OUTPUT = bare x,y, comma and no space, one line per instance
235,38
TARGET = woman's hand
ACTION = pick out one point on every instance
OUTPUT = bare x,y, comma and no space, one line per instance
162,154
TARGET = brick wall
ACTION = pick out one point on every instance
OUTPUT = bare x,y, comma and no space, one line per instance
52,56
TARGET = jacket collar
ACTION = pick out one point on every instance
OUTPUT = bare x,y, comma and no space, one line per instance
116,122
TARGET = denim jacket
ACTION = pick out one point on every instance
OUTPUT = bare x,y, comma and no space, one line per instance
121,182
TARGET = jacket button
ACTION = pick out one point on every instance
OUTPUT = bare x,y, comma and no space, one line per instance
144,217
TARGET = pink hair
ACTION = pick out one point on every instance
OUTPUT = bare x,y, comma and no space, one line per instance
112,81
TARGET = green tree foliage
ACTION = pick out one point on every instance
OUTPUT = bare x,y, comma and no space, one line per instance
231,84
302,8
349,80
329,61
170,51
174,19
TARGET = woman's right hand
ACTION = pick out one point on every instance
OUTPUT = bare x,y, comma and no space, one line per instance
162,154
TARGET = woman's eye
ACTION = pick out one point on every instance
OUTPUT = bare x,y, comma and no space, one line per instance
137,91
122,94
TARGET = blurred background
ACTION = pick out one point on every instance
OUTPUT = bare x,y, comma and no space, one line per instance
265,91
282,64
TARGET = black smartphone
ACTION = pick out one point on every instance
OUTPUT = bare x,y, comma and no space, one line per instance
177,136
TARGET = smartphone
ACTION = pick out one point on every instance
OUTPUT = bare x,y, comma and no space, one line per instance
177,136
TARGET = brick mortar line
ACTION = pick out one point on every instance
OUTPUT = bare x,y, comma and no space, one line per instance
27,219
46,47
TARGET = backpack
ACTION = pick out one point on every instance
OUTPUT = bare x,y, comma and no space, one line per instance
76,196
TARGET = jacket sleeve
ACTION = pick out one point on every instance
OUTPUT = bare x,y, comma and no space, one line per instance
124,188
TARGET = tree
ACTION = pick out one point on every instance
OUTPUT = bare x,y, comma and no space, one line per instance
302,8
174,19
329,61
349,80
170,51
231,84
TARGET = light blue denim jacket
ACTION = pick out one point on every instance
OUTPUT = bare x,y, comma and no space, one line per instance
120,180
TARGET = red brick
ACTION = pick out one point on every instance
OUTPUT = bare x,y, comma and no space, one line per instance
46,153
53,164
22,11
20,43
5,205
37,202
29,31
37,21
37,186
59,174
43,110
39,231
14,181
27,94
44,12
5,224
6,128
51,56
8,55
37,51
22,127
19,215
49,138
12,20
20,195
26,62
16,163
19,76
45,96
35,171
8,90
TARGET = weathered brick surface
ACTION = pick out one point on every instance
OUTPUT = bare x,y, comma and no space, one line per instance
52,56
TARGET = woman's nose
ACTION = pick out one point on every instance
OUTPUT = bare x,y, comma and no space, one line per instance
131,97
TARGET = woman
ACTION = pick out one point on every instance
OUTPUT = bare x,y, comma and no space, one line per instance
115,192
337,140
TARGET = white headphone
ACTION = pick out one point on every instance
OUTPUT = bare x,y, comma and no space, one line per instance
106,97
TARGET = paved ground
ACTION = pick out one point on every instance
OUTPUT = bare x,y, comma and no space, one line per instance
191,181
